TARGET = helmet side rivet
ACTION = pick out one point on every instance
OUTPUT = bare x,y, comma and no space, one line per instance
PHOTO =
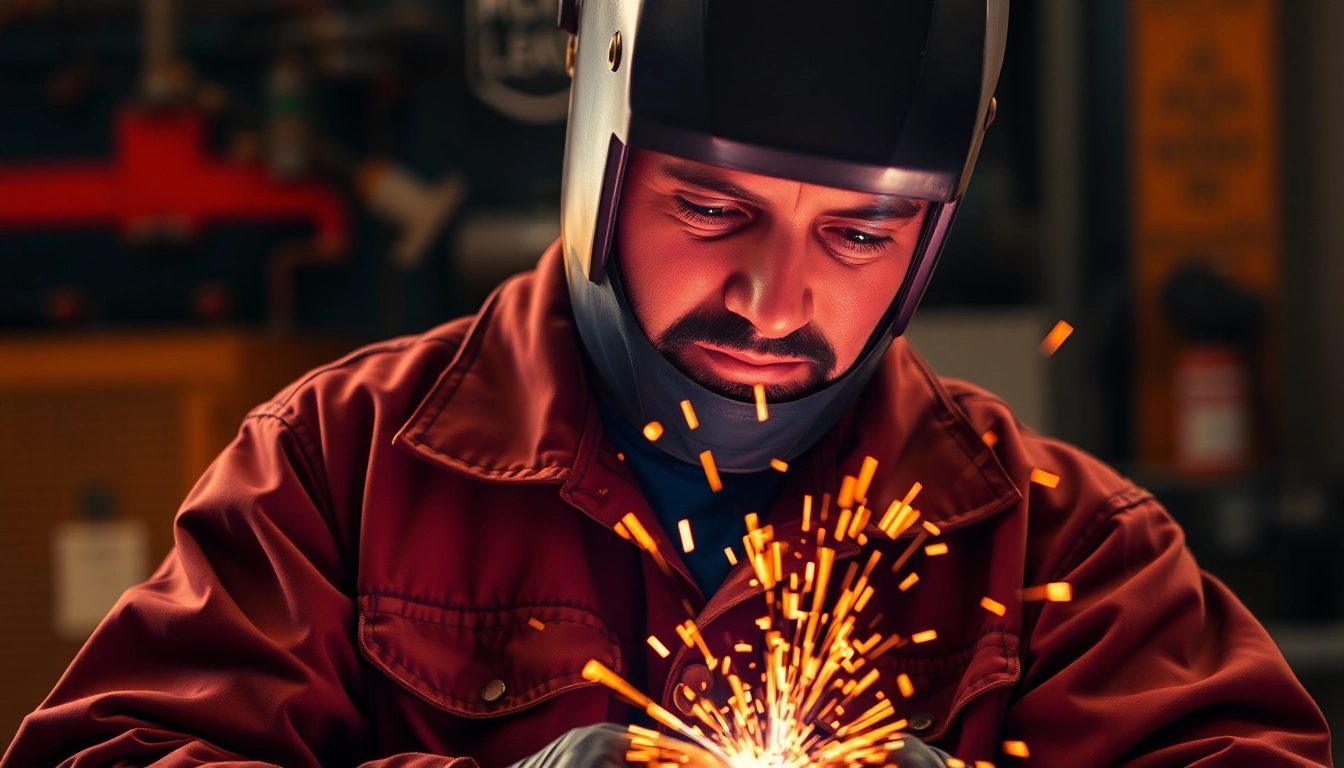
614,52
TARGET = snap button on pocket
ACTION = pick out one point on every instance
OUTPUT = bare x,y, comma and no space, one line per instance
697,678
920,723
493,691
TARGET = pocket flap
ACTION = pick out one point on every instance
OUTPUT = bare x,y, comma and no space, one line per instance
456,659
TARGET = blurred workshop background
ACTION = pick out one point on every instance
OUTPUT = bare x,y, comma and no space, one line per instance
199,201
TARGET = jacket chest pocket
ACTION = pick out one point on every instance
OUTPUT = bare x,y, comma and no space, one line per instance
930,692
481,664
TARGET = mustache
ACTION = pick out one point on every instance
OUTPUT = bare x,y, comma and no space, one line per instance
722,328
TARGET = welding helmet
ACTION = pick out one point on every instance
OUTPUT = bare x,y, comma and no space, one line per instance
743,84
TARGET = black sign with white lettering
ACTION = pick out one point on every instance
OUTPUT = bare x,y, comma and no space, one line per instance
516,58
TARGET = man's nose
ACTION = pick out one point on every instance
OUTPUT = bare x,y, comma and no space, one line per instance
772,287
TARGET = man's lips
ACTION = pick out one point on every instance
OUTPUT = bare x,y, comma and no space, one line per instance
750,368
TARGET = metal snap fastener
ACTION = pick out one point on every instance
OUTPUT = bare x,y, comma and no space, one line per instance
920,722
697,678
614,52
684,698
493,691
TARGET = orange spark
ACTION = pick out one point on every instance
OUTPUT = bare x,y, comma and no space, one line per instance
1056,337
907,687
935,549
779,466
684,528
732,558
762,412
925,636
653,430
931,528
909,581
993,606
711,471
689,413
989,438
658,647
846,498
1016,749
1055,592
537,625
1041,477
866,473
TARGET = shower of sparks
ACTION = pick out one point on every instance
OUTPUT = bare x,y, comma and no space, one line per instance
1055,338
689,413
711,471
779,466
1041,477
653,430
687,541
762,411
802,708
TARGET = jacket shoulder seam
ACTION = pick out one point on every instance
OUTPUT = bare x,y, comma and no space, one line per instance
314,466
281,400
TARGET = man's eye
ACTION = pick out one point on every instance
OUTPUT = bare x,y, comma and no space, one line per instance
863,242
708,214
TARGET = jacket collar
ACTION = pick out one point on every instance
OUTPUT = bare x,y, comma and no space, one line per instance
514,406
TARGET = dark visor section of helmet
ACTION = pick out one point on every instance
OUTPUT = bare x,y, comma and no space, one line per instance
834,79
875,97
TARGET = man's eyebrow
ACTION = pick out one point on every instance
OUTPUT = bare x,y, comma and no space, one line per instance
885,208
702,177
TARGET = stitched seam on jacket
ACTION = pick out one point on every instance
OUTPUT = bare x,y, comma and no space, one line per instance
469,350
308,455
971,691
478,608
531,696
1087,541
613,639
283,398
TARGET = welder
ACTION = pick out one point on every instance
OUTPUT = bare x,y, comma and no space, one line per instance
407,557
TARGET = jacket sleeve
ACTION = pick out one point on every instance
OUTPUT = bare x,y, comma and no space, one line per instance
240,648
1155,663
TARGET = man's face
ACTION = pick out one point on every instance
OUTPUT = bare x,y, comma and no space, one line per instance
740,279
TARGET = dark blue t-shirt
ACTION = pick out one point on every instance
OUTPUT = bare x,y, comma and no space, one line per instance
678,491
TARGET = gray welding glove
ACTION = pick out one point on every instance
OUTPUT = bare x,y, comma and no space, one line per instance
917,754
600,746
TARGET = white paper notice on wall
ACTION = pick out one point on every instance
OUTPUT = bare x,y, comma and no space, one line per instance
93,563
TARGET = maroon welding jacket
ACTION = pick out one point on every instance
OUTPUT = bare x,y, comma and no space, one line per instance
354,576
